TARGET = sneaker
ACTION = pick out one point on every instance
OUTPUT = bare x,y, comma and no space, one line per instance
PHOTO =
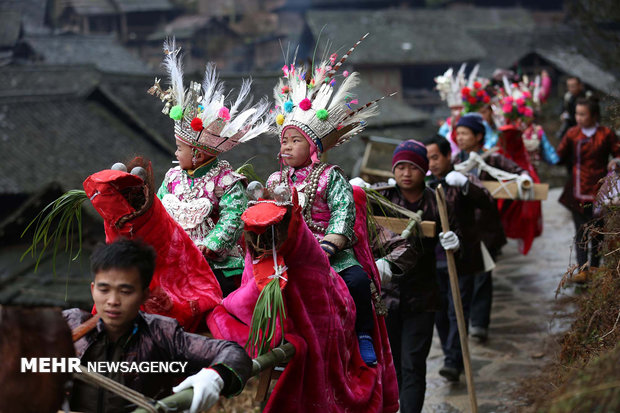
480,333
367,349
450,373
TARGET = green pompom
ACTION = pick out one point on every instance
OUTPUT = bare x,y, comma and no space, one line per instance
176,112
322,114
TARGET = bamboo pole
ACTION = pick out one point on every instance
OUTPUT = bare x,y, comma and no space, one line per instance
456,299
183,399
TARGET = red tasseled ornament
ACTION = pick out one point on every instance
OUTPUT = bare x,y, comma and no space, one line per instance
197,124
305,104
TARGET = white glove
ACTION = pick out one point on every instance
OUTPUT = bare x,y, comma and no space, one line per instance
384,270
207,385
357,181
455,178
449,241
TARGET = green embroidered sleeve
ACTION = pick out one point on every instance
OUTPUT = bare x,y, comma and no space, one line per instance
163,189
341,205
229,226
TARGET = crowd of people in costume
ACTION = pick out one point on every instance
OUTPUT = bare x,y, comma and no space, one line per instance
397,283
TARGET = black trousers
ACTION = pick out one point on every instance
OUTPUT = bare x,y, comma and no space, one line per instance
358,283
410,337
581,238
445,320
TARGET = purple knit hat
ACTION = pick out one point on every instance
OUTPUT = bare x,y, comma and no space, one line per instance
412,152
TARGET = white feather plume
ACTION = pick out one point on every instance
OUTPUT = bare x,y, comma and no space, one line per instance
345,88
174,67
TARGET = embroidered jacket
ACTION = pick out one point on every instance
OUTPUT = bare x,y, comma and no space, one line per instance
332,209
208,205
587,158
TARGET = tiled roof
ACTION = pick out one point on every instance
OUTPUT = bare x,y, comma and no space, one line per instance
129,6
412,36
65,138
91,7
104,52
573,63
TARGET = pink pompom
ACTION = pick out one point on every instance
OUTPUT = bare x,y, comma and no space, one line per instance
520,102
345,73
521,110
507,108
305,104
224,113
528,112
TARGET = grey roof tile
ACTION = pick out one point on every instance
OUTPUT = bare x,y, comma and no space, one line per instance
102,51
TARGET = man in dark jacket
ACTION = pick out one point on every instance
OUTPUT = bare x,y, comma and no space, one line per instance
413,297
122,274
465,195
470,138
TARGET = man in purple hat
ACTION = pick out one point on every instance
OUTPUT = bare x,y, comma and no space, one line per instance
412,296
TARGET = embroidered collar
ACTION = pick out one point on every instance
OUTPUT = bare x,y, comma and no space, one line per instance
202,169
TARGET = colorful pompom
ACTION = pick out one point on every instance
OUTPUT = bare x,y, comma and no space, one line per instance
197,124
280,119
333,58
332,83
465,91
288,106
176,112
486,99
322,114
345,73
477,85
285,90
224,113
201,108
305,104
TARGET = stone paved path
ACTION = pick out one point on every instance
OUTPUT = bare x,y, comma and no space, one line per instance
522,318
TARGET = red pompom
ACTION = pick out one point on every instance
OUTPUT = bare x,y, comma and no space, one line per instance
480,93
465,91
477,85
486,99
305,104
471,100
197,124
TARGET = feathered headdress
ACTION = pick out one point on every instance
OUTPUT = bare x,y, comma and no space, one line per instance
449,86
202,117
311,101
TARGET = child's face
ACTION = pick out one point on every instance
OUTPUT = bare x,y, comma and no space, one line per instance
294,149
583,117
184,154
118,295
